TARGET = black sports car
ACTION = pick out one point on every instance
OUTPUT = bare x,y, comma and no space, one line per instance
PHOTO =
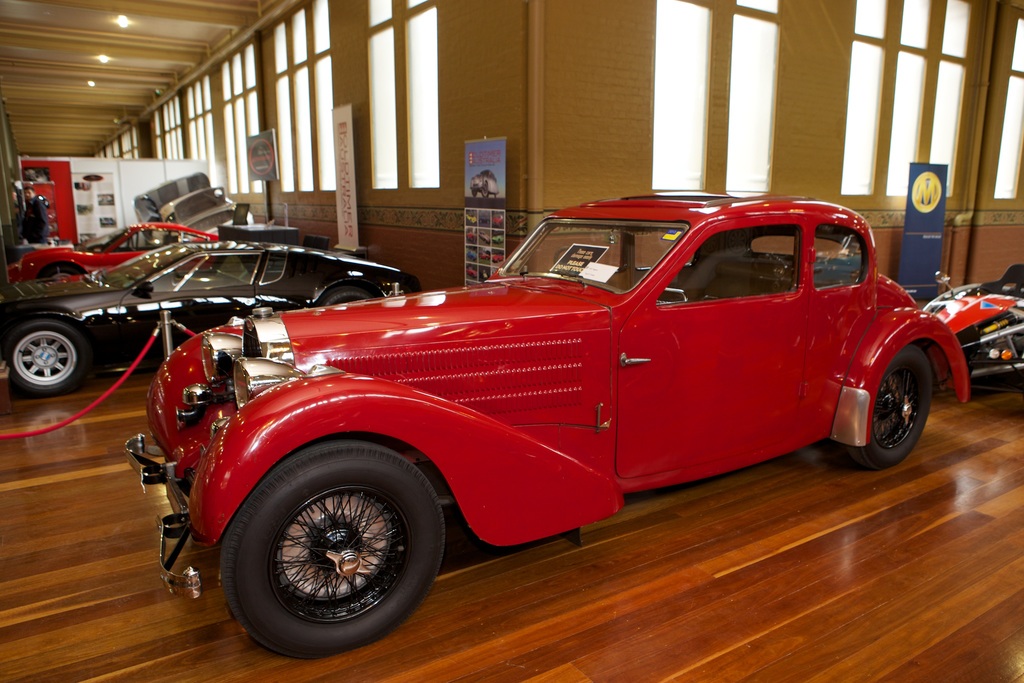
52,333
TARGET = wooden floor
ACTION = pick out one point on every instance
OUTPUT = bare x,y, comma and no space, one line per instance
801,569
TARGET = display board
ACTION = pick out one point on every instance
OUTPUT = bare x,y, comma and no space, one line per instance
485,188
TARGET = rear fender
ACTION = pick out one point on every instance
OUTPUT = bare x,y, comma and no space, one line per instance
889,333
510,488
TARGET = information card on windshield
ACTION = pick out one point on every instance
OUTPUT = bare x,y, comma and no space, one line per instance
576,258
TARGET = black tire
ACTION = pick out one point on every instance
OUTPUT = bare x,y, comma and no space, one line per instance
334,549
47,357
344,295
60,269
900,411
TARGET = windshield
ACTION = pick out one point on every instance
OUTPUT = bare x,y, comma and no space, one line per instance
100,243
613,255
133,270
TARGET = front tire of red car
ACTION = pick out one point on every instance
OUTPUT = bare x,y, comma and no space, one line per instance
334,549
900,411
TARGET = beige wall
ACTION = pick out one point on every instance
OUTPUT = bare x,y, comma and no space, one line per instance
593,115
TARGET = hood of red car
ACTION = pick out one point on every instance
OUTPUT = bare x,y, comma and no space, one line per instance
526,354
353,336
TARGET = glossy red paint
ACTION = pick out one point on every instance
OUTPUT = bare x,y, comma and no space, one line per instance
541,401
492,468
76,260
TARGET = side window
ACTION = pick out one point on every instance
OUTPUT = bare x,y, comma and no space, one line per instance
743,262
172,280
144,240
839,257
275,267
208,272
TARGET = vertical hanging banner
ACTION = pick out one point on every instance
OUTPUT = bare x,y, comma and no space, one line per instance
921,253
261,156
485,208
345,166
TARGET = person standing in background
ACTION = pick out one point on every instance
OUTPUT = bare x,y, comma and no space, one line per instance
35,224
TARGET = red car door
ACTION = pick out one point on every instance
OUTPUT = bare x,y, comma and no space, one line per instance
711,370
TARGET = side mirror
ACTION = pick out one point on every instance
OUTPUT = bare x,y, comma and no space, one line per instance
942,279
143,290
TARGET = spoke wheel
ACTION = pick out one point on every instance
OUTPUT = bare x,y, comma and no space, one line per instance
47,357
899,411
335,547
896,408
340,554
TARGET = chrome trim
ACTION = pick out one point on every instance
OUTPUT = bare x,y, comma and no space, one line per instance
220,349
174,526
267,337
625,361
187,584
850,425
196,395
217,425
255,375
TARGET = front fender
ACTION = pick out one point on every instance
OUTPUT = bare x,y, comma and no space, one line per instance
890,332
510,488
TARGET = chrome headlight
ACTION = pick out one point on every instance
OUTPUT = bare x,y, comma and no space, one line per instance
255,375
219,353
265,336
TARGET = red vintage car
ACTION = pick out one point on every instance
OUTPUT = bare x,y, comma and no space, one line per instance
626,345
106,250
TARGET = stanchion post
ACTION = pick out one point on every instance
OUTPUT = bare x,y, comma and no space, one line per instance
165,330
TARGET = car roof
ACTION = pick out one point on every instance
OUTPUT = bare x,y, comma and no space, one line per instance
271,247
694,207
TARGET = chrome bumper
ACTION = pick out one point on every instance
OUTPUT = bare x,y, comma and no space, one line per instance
173,527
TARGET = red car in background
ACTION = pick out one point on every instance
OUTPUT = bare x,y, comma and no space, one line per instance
100,252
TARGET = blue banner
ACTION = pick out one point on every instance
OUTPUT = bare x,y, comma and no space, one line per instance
921,254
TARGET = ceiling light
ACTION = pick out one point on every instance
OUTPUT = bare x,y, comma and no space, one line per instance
92,84
103,59
122,21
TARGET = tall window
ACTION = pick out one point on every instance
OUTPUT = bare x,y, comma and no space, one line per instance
1010,144
421,76
683,54
383,118
682,51
908,95
752,99
241,116
199,112
422,89
917,64
306,152
324,88
124,146
950,87
169,143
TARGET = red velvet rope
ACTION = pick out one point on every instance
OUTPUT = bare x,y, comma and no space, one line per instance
106,394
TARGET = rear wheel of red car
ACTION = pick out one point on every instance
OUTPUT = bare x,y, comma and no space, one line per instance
47,357
900,410
333,550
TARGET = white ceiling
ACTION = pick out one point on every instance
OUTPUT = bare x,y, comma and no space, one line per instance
50,50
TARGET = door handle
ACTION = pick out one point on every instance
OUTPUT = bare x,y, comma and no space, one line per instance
626,361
